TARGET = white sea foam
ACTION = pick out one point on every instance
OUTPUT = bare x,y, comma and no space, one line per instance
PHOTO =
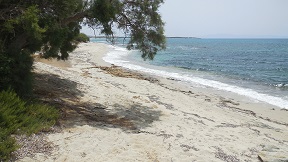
115,57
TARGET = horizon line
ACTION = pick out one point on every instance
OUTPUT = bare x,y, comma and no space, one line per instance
192,37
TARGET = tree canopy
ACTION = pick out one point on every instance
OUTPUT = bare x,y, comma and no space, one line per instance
51,26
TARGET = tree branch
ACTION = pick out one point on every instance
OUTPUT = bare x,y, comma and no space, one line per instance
76,17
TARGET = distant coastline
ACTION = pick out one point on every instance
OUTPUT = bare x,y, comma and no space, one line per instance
90,36
188,37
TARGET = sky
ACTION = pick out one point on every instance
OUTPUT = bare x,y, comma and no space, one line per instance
224,18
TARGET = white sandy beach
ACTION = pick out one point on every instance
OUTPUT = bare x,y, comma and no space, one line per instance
106,117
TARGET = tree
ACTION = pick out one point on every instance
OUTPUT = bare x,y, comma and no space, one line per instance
50,26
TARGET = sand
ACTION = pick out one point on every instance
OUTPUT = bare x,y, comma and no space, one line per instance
111,114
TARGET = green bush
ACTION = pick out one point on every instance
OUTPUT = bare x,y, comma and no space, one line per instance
82,38
16,73
19,117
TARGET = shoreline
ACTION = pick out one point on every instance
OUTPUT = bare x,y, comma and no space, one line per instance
251,104
114,114
115,57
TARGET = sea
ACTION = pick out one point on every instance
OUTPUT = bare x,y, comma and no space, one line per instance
255,68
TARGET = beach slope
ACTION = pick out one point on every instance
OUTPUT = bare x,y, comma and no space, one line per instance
113,114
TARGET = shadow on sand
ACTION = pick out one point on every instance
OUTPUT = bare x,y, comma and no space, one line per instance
63,94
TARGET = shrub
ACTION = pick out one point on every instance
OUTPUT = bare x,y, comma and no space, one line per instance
19,117
82,38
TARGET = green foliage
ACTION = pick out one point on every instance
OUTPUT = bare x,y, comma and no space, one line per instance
7,146
144,25
15,72
104,20
17,116
27,26
82,38
52,26
138,19
16,61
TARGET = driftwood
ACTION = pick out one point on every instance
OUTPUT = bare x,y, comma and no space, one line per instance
260,159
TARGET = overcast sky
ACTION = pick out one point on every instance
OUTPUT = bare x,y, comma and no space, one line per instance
225,18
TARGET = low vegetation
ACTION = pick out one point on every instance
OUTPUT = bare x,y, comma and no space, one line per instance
82,38
20,117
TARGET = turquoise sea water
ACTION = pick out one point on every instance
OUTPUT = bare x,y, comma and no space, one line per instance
256,68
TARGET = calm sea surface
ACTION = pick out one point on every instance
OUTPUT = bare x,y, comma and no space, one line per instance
256,68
